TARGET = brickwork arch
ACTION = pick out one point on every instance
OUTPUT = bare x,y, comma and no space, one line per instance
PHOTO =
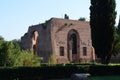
73,45
35,35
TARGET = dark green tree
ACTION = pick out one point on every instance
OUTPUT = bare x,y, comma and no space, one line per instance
81,19
8,53
11,55
116,44
3,53
102,20
1,38
66,16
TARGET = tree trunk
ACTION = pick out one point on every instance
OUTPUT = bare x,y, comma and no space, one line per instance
108,58
103,60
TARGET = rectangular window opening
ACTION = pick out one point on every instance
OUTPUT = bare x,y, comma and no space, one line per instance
61,51
84,51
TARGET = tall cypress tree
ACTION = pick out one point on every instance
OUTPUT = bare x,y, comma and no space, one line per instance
102,20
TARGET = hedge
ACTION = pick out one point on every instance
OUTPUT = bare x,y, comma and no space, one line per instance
59,71
104,70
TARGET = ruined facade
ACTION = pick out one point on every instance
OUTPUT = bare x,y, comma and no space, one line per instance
67,40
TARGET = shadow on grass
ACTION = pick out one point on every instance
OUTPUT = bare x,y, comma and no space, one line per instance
104,78
98,78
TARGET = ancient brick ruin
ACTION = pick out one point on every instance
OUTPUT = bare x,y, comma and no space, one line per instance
67,40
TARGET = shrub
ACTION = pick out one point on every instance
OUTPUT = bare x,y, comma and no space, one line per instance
52,60
104,70
57,71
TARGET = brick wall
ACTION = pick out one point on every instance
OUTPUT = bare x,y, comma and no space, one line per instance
54,34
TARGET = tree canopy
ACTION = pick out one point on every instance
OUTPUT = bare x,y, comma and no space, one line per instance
102,20
82,19
11,55
66,16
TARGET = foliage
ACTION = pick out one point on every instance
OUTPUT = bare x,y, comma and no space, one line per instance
82,19
27,58
1,38
52,60
104,70
116,44
102,20
66,16
45,72
11,55
3,57
7,53
57,71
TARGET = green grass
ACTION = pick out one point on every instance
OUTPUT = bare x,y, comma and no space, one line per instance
59,79
104,78
98,78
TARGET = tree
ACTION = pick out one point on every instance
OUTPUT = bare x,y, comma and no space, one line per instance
1,38
81,19
27,58
116,44
3,53
8,53
66,16
11,55
1,41
102,20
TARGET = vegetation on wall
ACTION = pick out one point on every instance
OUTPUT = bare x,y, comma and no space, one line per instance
66,16
52,60
82,19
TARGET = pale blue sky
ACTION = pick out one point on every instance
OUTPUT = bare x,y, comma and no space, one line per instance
17,15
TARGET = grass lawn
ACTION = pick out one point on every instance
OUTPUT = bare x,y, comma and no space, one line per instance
104,78
98,78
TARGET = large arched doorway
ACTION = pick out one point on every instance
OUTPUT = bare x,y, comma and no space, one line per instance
35,35
73,45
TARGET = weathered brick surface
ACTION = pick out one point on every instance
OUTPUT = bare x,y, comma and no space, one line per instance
54,34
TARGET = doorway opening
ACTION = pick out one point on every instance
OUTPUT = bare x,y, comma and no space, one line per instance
73,45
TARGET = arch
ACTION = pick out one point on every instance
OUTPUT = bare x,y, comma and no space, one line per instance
35,36
73,45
